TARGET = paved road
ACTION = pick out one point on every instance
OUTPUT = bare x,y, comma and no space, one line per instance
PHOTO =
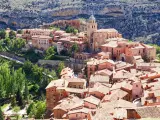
12,59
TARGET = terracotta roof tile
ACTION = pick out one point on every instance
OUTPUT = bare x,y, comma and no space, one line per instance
56,83
93,100
149,111
117,94
99,78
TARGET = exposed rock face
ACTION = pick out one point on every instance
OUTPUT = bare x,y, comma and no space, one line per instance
133,18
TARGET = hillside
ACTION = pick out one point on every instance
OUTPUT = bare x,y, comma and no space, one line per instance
133,18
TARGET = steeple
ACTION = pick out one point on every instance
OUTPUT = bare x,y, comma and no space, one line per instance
92,17
91,28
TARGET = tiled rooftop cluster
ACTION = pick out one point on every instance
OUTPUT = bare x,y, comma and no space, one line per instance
117,82
108,94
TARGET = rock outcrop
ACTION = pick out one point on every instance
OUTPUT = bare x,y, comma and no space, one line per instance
133,18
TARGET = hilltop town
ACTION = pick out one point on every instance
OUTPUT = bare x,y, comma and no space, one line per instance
106,77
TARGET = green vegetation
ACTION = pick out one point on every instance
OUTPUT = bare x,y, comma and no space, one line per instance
54,27
74,48
60,67
11,80
2,34
31,55
130,41
16,109
12,34
22,84
50,52
1,114
37,109
71,30
4,106
12,45
19,31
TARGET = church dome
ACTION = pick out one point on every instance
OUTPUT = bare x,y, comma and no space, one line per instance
92,17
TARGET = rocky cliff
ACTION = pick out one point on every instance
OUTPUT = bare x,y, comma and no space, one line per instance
133,18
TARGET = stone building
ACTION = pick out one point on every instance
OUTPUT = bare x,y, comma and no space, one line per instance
96,37
28,33
42,42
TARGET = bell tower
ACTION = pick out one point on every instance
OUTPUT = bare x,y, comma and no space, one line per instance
91,27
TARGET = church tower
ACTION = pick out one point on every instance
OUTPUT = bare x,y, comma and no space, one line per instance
91,27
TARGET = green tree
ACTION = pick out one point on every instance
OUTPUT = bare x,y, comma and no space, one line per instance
70,29
37,110
37,73
61,66
30,107
75,31
7,42
1,114
17,44
12,34
2,34
2,87
19,98
50,52
19,31
74,48
41,108
26,92
27,67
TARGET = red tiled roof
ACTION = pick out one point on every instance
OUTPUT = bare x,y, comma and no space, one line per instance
92,100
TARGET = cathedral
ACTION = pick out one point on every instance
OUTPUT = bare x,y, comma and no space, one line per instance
97,37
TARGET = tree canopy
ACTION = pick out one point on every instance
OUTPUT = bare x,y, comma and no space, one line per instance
71,30
1,114
2,34
50,52
74,48
61,66
12,34
37,109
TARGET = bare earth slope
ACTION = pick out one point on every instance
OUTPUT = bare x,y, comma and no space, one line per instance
133,18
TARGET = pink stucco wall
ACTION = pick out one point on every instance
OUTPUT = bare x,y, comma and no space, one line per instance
137,90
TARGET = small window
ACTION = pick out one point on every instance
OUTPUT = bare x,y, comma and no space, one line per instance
136,85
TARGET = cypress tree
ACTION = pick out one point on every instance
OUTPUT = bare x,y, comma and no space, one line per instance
19,98
26,92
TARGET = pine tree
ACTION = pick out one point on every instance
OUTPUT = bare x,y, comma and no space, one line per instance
19,98
26,92
1,114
